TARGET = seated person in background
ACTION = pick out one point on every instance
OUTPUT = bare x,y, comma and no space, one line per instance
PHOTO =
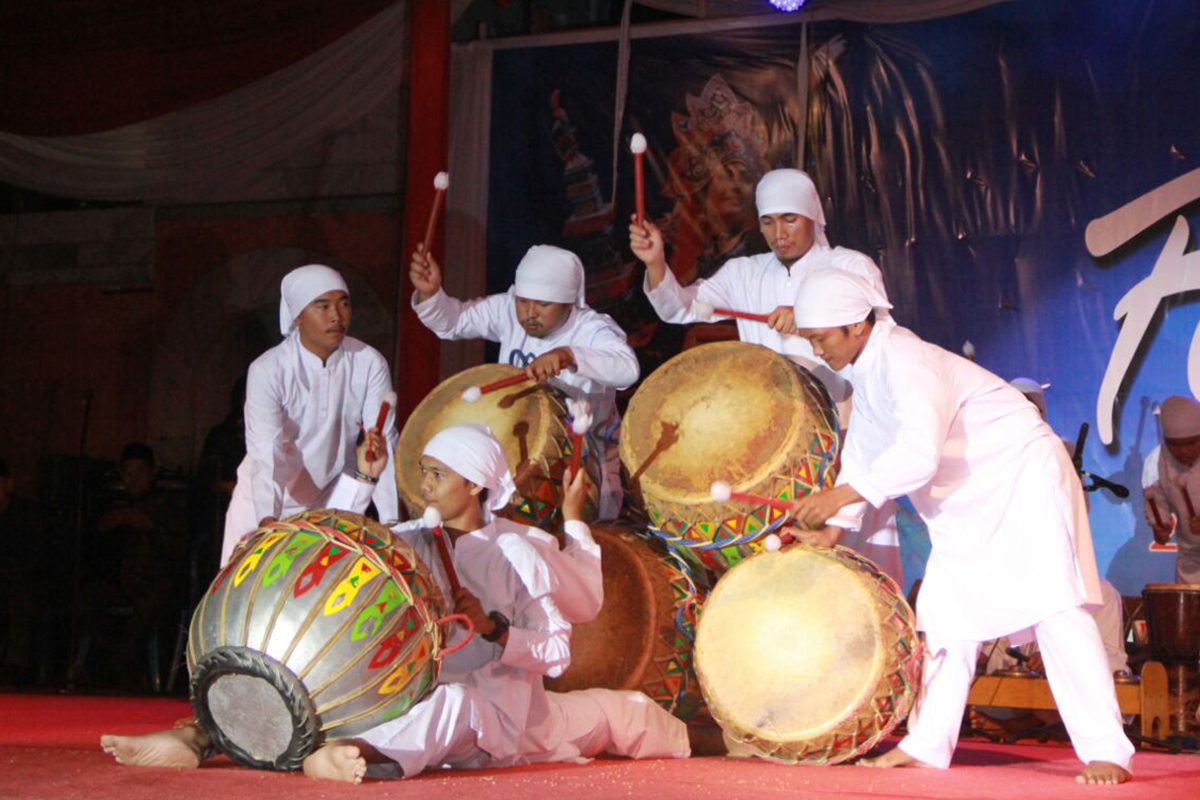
544,326
489,708
1176,492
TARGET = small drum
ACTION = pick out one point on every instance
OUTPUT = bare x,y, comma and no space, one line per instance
530,420
642,637
809,654
732,412
312,630
1173,620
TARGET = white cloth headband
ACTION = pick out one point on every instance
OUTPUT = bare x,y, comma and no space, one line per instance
552,275
830,298
790,191
473,452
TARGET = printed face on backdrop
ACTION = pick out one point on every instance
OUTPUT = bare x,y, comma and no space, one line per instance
324,322
541,318
789,236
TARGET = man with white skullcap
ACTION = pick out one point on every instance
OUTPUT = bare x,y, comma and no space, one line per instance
305,400
1175,491
490,708
1012,550
544,326
792,221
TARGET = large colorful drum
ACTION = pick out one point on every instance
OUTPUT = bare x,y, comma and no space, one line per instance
322,625
642,638
809,654
530,420
731,412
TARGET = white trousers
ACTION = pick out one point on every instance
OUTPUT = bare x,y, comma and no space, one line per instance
1076,666
438,732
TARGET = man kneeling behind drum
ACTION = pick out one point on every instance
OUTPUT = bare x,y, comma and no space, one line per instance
489,709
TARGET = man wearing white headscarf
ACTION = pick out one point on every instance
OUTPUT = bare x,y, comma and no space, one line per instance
1012,550
305,400
490,709
544,326
1177,482
792,221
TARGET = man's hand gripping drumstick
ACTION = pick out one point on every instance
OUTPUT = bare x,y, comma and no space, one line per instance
782,319
813,511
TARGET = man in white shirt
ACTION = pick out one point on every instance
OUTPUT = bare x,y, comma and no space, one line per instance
792,221
1175,490
545,327
305,400
1012,550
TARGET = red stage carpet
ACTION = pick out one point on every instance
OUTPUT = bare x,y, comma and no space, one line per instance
49,748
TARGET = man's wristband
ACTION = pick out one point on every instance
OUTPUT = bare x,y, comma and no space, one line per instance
359,475
501,627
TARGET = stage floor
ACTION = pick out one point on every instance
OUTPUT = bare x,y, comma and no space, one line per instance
49,749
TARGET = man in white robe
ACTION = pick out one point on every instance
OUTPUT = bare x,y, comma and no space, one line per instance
1012,550
792,221
1178,473
305,400
544,326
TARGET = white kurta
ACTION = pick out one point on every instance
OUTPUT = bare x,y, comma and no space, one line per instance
760,284
302,421
1167,491
604,362
1010,538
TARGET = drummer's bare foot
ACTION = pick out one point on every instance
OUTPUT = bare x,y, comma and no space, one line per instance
706,740
893,758
179,747
336,761
1103,773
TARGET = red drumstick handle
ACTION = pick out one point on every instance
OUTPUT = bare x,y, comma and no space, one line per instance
576,454
503,383
440,182
747,497
1158,520
1187,498
439,536
729,312
384,407
639,189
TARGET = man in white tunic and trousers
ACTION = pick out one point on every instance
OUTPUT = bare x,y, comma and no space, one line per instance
792,221
544,326
305,400
1175,490
1012,551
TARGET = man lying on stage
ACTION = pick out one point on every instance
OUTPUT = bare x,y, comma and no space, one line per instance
489,708
1176,489
544,325
1012,550
792,221
305,400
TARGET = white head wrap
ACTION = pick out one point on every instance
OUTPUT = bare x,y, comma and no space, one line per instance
473,452
790,191
830,298
303,285
550,274
1180,417
1031,389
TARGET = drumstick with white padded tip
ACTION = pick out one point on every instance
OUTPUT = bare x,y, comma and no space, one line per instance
581,422
706,313
722,492
389,402
433,520
637,146
473,393
441,182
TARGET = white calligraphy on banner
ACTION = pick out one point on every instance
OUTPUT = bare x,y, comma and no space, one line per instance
1174,273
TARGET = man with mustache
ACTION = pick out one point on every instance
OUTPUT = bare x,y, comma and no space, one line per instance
305,400
544,326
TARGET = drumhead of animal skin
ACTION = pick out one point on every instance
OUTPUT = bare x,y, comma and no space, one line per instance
788,645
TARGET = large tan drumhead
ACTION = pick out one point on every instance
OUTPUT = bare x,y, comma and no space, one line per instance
525,418
789,644
725,411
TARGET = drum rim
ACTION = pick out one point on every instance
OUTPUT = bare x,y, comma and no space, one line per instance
1171,588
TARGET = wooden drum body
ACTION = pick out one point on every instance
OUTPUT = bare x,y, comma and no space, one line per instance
532,424
642,638
731,412
808,655
312,631
1173,623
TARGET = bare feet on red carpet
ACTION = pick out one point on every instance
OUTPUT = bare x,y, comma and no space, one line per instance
336,761
179,747
893,758
1103,773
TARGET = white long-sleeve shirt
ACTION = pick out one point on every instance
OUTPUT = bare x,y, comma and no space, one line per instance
302,421
1005,511
1167,490
760,284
